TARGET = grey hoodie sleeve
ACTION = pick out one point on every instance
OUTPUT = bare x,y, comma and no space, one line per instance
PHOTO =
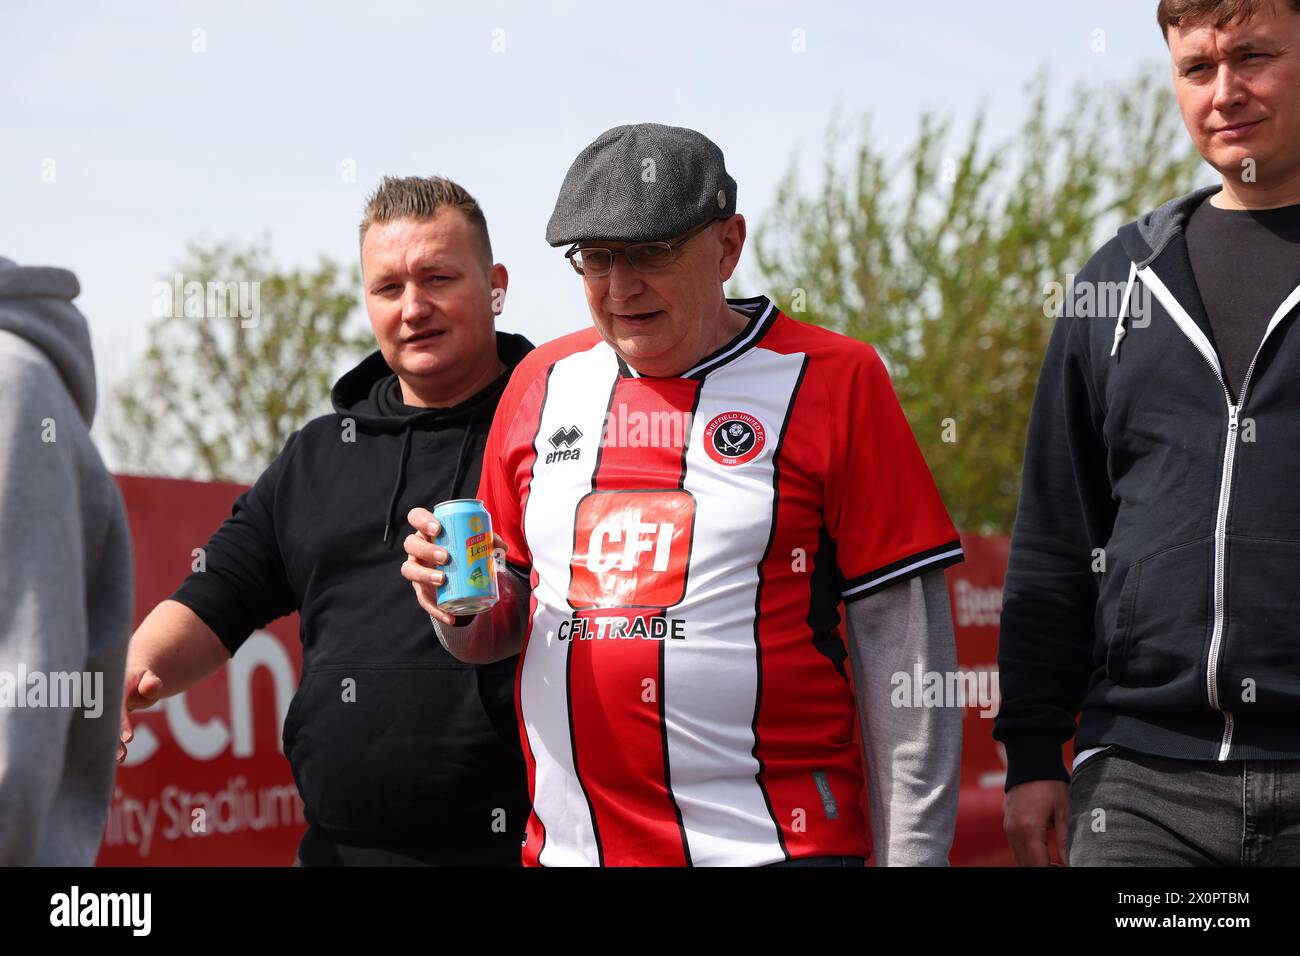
65,618
912,754
496,634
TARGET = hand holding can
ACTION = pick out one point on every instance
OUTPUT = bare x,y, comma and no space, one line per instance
450,561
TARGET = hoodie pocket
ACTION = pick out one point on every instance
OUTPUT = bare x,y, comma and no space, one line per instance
1163,618
1259,663
294,713
395,751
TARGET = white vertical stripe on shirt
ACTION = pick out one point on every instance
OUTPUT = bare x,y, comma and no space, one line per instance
711,678
559,801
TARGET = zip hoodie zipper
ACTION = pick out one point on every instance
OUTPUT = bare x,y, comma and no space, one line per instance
1193,332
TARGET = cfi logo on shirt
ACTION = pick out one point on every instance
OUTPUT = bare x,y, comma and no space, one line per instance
734,438
631,548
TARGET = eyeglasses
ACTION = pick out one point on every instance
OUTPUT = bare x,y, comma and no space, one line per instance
594,261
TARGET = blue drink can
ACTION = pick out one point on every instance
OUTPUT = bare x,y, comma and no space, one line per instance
466,533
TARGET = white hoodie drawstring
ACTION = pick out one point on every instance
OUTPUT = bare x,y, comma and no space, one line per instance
1120,331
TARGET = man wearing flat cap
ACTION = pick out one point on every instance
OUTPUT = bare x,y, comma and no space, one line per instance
686,494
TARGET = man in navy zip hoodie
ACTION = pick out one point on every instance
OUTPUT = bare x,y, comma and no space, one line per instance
402,754
1154,579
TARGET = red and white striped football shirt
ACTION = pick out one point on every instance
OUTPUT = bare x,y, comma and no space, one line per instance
681,691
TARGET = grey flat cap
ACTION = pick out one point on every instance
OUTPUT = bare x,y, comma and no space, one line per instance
642,183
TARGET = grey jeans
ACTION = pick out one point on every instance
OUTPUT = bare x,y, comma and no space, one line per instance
1133,809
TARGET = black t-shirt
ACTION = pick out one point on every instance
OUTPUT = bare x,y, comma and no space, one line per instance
1246,261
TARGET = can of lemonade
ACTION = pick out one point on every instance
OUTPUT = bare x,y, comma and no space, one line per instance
466,532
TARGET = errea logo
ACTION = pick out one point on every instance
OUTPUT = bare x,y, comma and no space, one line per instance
562,440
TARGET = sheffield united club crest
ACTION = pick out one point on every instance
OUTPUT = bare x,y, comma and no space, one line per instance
734,438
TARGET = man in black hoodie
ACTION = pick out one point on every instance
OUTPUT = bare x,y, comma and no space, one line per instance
1156,554
402,754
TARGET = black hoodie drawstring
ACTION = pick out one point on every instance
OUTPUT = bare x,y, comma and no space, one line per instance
460,456
460,472
397,484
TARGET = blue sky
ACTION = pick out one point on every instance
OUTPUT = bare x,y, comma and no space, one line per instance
154,143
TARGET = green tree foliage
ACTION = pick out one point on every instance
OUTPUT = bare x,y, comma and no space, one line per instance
218,391
941,258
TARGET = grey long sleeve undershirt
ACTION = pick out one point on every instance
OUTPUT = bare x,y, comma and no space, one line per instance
912,755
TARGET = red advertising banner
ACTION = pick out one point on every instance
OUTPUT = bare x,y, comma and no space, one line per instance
205,782
975,593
